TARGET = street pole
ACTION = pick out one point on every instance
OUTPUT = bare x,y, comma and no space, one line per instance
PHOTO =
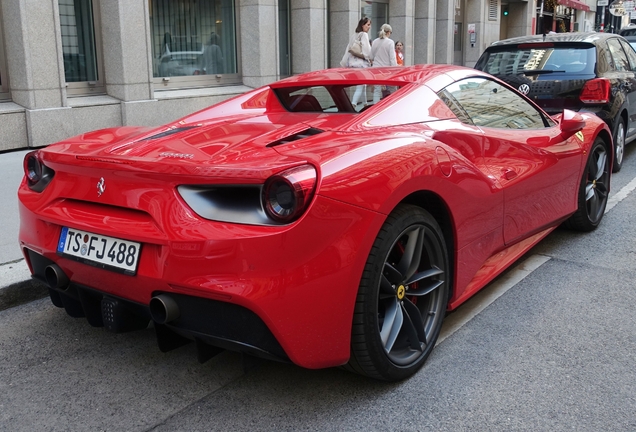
603,19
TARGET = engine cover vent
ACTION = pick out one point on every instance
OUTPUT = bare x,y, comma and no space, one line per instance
297,136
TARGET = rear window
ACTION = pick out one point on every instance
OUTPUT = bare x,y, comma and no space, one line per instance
540,60
333,98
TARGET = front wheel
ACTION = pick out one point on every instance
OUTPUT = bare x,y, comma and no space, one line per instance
402,297
593,190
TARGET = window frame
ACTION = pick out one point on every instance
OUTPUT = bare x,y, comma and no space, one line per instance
631,54
88,88
198,81
618,55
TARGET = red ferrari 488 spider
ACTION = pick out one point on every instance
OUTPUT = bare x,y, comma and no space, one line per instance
291,224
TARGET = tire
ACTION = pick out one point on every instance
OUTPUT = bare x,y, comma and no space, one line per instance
619,145
402,297
593,190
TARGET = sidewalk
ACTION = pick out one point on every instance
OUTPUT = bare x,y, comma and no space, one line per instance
16,285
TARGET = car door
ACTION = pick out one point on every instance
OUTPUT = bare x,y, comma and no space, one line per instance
625,82
630,83
524,151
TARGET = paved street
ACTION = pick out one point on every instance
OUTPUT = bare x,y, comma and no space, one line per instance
553,352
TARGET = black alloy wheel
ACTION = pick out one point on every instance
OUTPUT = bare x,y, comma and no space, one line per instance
593,190
402,297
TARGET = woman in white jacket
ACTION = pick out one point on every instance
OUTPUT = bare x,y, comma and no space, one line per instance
361,35
383,54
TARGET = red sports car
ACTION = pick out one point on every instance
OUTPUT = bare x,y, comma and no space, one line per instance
292,224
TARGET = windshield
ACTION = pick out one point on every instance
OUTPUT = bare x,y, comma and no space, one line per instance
333,98
536,61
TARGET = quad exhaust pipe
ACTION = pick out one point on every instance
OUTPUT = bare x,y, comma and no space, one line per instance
163,309
55,277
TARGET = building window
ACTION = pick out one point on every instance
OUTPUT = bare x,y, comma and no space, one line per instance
284,37
194,43
80,47
4,81
378,11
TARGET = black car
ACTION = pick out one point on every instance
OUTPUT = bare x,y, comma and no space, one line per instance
592,72
628,30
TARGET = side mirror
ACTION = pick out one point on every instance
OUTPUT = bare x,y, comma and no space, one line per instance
571,123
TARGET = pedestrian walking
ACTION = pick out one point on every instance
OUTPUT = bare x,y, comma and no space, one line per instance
358,55
383,54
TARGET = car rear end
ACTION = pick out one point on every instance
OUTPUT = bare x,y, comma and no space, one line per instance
556,75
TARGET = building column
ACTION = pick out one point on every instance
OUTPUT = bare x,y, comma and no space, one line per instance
519,20
126,49
423,50
309,35
487,30
344,16
36,72
34,53
259,42
444,31
402,14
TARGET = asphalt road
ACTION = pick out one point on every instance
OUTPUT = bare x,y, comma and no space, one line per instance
553,352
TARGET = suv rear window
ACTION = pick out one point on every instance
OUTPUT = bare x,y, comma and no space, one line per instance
515,60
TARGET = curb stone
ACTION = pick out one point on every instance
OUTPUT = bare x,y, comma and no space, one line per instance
16,285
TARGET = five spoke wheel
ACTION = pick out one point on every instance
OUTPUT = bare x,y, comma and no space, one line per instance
594,189
402,297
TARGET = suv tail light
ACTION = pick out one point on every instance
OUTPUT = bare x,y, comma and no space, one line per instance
596,91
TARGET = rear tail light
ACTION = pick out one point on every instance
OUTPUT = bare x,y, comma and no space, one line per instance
596,91
38,175
287,195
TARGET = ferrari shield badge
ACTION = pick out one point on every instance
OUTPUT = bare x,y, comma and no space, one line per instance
579,135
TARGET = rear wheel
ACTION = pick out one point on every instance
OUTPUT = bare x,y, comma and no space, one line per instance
402,297
619,145
593,191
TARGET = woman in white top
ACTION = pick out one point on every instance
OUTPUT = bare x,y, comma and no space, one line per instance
349,60
383,54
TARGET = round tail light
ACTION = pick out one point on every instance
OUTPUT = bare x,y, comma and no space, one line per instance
287,195
32,168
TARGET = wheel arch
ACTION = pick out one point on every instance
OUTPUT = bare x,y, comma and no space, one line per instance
438,208
606,136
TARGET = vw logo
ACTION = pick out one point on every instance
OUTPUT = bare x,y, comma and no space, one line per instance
101,187
524,88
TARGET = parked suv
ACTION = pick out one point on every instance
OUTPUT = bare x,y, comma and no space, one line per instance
592,72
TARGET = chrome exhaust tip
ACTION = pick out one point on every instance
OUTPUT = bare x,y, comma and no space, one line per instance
163,309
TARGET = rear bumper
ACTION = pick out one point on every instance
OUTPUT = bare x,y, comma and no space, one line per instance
205,321
284,293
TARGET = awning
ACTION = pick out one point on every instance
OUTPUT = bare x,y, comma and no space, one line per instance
576,4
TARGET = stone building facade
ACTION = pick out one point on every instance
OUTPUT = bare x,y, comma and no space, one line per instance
71,66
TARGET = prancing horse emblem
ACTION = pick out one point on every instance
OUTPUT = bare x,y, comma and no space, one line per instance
101,187
524,88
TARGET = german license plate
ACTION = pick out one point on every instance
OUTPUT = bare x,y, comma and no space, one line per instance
100,251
